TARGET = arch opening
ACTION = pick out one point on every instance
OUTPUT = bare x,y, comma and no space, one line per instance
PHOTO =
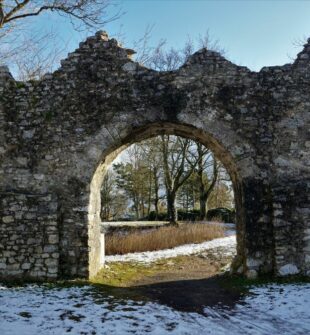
165,178
96,230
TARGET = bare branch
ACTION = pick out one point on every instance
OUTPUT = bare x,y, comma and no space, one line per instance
30,53
90,12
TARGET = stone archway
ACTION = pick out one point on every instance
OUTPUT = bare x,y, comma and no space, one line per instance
143,133
57,134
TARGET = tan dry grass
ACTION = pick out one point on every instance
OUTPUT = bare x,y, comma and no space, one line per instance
162,238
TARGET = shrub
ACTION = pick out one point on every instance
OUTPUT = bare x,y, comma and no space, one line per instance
191,215
222,214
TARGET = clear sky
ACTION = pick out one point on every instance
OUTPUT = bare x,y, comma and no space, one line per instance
253,33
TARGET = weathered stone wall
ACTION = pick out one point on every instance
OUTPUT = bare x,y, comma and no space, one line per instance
29,236
58,135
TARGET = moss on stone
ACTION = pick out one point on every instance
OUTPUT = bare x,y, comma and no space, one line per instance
48,116
20,84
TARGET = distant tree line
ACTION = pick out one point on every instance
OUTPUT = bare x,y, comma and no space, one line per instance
165,174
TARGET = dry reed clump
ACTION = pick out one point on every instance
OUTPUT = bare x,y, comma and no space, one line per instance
162,238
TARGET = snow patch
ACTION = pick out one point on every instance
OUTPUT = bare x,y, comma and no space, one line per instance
186,249
272,309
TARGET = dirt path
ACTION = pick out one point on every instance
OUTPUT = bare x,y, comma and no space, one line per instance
184,268
186,283
199,266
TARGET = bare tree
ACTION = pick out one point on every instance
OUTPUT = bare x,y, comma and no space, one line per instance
113,202
180,170
208,42
90,13
39,58
205,160
152,155
32,52
222,194
177,169
134,176
160,58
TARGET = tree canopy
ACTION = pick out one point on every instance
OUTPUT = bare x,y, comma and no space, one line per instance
165,175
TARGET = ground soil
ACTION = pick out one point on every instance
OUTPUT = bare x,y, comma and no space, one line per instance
190,285
206,264
186,283
185,268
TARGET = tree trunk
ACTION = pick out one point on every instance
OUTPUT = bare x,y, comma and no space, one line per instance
172,211
137,212
156,208
203,208
202,198
205,189
187,203
149,198
156,190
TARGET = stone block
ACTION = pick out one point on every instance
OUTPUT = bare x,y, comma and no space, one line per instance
53,239
3,266
25,266
288,269
8,219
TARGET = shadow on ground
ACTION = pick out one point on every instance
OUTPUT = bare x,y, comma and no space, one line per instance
183,295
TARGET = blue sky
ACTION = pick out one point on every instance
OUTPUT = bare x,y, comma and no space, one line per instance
253,33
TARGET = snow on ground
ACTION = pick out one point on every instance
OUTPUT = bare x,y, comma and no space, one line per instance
271,309
228,243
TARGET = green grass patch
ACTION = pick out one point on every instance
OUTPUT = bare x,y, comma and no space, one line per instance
125,274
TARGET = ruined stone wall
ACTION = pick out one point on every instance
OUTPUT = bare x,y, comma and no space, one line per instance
29,236
58,135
